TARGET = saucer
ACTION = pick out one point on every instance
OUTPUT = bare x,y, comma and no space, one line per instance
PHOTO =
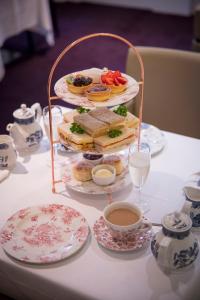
105,239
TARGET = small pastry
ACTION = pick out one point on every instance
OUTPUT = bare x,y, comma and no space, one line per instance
82,171
115,161
77,84
98,92
115,80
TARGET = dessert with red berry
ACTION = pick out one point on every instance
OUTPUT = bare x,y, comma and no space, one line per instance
115,80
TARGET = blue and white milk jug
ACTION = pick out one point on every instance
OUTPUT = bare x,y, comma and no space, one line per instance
8,153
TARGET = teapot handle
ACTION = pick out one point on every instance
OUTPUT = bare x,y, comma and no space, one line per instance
163,251
36,107
9,127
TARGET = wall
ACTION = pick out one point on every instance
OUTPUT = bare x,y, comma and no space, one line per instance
178,7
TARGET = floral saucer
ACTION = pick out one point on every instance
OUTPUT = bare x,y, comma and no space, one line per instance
105,239
44,234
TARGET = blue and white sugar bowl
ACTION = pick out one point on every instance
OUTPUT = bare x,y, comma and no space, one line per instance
26,130
175,246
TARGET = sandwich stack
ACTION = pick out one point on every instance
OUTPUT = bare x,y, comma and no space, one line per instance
98,130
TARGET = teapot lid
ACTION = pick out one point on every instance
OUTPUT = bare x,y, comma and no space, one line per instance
23,113
177,222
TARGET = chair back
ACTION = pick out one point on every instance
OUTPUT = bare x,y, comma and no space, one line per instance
171,89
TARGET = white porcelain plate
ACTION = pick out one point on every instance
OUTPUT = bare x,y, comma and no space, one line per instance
61,90
44,234
154,137
105,239
89,187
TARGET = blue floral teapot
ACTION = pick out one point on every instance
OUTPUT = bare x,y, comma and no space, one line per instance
26,130
174,246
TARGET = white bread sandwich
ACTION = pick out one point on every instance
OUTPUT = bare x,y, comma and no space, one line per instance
107,116
78,141
131,120
114,138
91,125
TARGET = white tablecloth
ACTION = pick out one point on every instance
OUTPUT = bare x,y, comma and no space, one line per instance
19,15
94,272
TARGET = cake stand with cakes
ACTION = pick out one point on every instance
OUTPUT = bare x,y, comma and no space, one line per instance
101,124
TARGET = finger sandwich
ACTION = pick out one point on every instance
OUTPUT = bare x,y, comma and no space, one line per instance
131,120
78,141
91,125
105,142
107,116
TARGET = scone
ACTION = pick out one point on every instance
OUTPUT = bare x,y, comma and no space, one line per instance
82,171
115,161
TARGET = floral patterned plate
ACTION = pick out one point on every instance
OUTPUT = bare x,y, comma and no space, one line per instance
44,234
89,187
105,239
61,91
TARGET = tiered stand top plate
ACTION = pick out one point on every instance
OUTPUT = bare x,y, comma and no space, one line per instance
61,90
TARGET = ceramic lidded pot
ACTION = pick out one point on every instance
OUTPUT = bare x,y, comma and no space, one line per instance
8,154
26,130
192,205
174,246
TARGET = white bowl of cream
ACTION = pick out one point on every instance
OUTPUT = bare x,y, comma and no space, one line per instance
103,174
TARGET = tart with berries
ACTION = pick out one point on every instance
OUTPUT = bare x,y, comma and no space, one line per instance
115,80
77,84
98,92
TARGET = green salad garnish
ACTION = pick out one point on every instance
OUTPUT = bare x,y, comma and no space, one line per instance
82,110
70,79
76,128
121,110
114,133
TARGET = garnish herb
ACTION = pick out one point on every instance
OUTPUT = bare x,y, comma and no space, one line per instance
82,109
121,110
114,133
76,128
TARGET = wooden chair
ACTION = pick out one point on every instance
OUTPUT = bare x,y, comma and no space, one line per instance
171,89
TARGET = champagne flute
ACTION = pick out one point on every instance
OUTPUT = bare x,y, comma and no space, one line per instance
57,118
139,166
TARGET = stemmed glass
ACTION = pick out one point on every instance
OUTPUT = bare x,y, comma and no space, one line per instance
139,165
57,118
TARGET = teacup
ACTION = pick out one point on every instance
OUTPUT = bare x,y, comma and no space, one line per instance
124,220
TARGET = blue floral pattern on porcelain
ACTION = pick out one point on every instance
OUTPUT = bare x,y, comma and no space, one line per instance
185,257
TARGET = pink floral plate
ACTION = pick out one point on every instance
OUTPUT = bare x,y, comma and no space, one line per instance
105,239
44,234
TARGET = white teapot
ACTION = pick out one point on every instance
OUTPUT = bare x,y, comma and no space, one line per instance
26,130
8,153
174,246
